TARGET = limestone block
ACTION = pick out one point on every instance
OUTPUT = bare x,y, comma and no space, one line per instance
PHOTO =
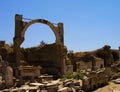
65,89
9,77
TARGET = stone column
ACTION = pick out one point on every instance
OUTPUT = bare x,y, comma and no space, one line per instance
18,39
61,33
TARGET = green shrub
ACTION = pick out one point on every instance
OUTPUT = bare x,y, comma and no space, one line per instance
74,75
67,76
78,75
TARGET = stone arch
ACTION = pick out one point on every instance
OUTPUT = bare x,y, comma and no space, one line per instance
21,27
53,28
36,33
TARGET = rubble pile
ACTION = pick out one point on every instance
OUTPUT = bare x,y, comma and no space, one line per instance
67,85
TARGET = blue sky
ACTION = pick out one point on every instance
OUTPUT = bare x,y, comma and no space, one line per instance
88,24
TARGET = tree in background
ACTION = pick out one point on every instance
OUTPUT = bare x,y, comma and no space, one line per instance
42,43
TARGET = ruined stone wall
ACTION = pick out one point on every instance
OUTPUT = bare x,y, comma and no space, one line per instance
47,56
95,79
99,63
85,65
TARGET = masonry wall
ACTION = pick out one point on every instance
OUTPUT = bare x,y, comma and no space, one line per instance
85,65
47,56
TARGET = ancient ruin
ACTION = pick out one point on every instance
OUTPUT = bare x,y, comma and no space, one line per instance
50,67
58,56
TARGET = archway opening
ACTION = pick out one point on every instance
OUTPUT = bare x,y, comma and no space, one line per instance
37,33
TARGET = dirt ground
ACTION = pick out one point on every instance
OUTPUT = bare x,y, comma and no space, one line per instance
111,87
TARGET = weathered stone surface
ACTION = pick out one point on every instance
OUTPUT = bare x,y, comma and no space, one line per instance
29,71
9,77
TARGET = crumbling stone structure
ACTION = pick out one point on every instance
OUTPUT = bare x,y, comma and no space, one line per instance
95,79
6,74
106,54
49,58
20,29
92,63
